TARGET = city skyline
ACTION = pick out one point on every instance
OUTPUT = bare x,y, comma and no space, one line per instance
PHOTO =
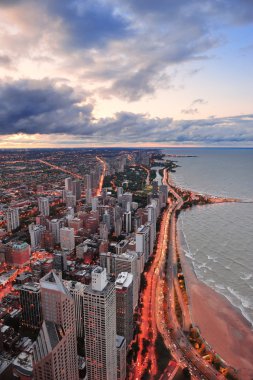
107,73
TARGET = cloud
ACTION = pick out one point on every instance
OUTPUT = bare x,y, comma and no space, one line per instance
190,111
199,101
30,106
127,49
5,60
51,108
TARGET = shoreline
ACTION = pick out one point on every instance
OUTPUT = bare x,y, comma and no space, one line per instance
221,324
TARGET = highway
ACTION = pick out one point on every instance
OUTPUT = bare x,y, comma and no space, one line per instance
158,311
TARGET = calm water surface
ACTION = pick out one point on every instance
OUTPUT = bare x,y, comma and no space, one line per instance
218,239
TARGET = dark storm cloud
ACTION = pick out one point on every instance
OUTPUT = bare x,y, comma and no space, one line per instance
47,108
30,106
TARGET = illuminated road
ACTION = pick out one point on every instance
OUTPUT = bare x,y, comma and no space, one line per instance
60,168
78,176
101,181
148,318
175,338
158,311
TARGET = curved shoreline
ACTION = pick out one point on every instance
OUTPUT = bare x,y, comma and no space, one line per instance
221,324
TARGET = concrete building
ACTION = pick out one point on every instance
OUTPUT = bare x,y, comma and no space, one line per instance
124,305
54,226
142,238
19,255
68,184
125,199
36,231
121,357
70,200
127,221
30,301
76,189
55,350
76,290
67,238
100,327
12,219
43,203
60,261
103,231
94,203
125,262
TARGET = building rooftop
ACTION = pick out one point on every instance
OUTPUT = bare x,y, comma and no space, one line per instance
31,286
52,281
119,341
123,280
23,364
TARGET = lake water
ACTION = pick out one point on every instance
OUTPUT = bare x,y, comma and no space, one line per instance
218,239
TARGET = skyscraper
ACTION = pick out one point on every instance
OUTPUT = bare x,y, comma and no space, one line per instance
30,301
43,203
68,184
67,238
127,262
142,238
127,222
124,305
121,357
100,327
55,351
76,290
12,219
36,231
54,226
76,189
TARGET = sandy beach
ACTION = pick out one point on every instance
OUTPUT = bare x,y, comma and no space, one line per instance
220,323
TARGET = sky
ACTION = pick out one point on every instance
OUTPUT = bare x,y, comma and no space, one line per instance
84,73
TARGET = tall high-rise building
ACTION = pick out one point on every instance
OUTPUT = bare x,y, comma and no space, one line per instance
119,193
76,189
94,203
127,262
152,222
36,232
107,219
142,238
87,181
88,196
68,184
55,350
124,305
43,203
103,231
12,219
164,190
70,199
124,262
30,301
67,238
76,290
100,327
125,199
54,227
121,357
60,260
127,221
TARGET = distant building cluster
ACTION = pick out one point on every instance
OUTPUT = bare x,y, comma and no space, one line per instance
73,264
